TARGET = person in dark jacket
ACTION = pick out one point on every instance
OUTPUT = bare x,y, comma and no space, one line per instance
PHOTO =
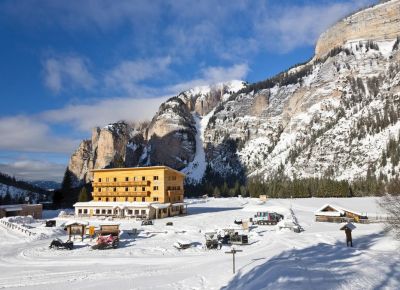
349,239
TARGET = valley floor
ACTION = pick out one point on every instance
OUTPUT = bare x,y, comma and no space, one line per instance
314,259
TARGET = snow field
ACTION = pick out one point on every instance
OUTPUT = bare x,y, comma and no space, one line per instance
314,259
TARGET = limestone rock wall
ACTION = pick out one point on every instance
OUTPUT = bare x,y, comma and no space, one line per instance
380,22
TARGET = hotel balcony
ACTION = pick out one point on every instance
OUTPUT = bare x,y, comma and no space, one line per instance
121,194
121,183
174,192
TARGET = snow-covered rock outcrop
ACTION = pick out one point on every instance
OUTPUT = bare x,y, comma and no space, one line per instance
337,115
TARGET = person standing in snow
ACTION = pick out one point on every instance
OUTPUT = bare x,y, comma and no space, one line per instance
349,239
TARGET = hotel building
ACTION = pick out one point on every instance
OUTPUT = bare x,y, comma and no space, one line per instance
144,192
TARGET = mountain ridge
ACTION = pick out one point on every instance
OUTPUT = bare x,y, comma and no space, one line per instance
334,116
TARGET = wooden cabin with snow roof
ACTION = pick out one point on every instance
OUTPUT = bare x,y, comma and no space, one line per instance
336,214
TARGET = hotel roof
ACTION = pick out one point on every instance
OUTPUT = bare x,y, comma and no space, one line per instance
137,168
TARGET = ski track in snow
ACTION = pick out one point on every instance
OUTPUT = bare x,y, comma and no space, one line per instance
314,259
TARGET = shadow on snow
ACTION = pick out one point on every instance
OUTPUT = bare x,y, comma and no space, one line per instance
321,266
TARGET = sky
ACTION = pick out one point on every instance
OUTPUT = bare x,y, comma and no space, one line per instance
68,66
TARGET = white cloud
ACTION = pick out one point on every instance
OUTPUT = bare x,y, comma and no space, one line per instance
213,75
68,71
23,133
285,28
85,117
128,75
27,169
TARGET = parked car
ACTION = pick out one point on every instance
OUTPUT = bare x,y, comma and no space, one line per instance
147,223
50,223
59,244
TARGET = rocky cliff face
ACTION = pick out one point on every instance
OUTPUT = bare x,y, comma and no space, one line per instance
169,138
380,22
337,115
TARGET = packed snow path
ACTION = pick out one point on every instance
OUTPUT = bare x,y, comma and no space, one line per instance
314,259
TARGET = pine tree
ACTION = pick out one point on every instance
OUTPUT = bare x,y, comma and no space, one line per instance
217,192
83,195
66,184
58,197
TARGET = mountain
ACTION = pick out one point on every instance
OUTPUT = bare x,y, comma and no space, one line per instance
16,191
46,184
335,116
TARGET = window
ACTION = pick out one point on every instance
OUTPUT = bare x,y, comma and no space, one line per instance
155,177
143,211
168,187
136,211
99,199
134,199
143,178
126,199
97,211
114,199
178,187
135,189
114,189
143,188
85,211
79,210
106,198
126,178
109,211
130,211
155,187
99,189
143,199
126,188
103,211
155,198
99,179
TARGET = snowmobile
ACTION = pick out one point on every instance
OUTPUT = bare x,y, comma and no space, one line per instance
59,244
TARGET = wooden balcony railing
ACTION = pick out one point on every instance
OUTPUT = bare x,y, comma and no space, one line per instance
175,192
122,194
121,183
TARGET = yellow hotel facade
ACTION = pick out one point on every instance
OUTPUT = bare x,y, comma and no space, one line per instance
140,192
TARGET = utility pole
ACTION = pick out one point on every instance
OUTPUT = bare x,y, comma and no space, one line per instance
233,252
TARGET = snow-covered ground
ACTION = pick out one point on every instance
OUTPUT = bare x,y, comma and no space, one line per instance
314,259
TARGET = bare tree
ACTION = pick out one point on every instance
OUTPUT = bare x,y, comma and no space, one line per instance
391,203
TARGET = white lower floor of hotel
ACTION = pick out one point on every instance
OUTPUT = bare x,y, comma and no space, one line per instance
143,210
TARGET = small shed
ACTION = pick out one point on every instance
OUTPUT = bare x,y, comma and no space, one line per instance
336,214
75,228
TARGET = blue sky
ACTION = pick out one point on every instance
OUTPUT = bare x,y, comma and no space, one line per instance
67,66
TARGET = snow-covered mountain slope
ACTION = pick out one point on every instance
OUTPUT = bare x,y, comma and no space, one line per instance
13,194
336,115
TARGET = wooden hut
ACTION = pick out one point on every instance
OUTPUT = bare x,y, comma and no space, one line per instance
336,214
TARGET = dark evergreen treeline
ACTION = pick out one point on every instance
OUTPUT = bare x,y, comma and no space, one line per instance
11,181
283,187
67,195
30,188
